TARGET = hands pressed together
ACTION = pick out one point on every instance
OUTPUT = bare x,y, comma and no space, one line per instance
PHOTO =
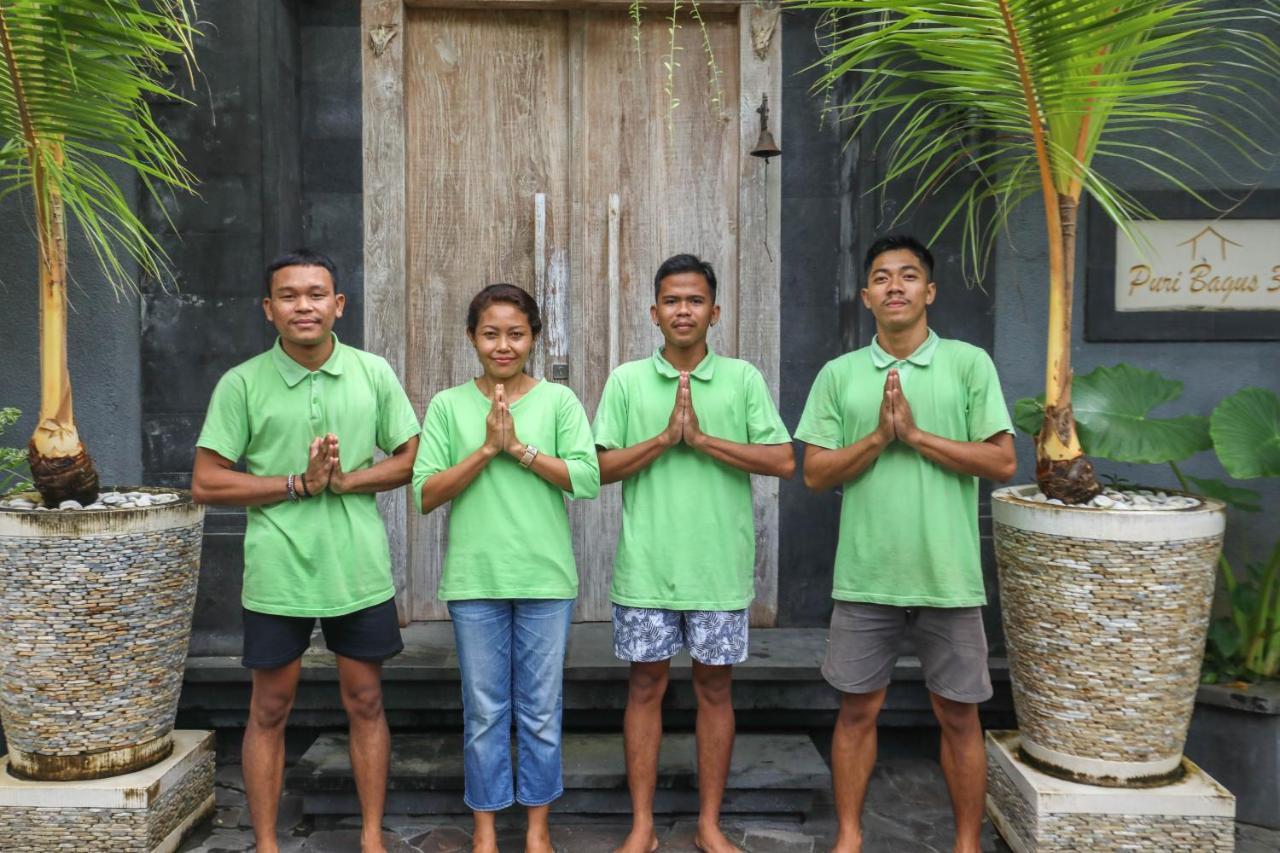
683,423
500,428
324,467
896,420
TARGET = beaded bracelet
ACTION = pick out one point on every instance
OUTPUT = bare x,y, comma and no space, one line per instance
288,484
306,490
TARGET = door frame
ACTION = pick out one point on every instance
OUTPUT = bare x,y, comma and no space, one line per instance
382,24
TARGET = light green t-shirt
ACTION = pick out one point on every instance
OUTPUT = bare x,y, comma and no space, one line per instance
325,555
688,528
508,530
908,526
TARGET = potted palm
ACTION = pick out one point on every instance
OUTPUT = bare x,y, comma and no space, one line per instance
96,589
1013,101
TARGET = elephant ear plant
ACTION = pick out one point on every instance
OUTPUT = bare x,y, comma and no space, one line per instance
1113,406
76,79
1010,100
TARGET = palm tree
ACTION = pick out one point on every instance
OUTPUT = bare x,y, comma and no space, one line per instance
1026,95
75,86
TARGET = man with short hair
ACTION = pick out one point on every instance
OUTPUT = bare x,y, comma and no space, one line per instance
308,416
684,430
906,426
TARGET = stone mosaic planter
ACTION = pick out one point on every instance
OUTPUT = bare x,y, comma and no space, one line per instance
1105,617
95,614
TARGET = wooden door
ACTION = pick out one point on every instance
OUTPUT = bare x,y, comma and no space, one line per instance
536,145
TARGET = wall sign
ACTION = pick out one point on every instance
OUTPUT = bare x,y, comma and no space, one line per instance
1195,279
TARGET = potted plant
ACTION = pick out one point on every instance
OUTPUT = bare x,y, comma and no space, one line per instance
1012,101
1235,732
96,590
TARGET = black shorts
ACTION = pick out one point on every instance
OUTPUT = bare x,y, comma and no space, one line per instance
371,634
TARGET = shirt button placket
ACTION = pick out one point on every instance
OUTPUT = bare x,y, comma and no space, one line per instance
315,399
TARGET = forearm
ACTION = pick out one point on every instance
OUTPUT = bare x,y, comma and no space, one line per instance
551,469
225,487
444,486
825,469
616,465
390,473
990,459
770,460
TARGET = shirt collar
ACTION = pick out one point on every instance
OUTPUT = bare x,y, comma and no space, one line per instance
292,373
921,357
704,371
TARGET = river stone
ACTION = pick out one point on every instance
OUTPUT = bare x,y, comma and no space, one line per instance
70,505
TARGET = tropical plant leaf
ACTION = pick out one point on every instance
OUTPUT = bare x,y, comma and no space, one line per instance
1246,433
77,78
1242,499
965,88
1112,408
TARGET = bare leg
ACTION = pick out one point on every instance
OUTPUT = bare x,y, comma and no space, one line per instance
263,753
853,757
537,837
642,734
713,686
964,764
484,839
361,686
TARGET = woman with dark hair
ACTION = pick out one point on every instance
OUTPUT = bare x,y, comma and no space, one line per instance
505,448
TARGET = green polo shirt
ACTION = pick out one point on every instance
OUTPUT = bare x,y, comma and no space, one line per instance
688,528
326,555
908,526
508,530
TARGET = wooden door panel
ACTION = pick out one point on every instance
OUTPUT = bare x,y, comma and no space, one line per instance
486,130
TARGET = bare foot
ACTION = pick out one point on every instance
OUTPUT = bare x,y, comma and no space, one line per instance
372,843
639,841
711,840
848,842
538,841
967,846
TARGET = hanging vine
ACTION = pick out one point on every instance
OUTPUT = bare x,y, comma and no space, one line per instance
671,61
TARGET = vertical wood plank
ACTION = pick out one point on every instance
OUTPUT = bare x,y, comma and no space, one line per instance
538,359
615,278
382,40
759,232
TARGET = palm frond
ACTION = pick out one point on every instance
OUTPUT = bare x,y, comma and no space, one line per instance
77,78
1105,78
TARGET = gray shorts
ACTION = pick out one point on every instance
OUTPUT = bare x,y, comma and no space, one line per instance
650,634
866,640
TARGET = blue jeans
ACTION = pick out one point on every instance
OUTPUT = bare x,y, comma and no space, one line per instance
511,650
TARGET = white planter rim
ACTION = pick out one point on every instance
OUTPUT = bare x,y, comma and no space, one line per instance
1012,506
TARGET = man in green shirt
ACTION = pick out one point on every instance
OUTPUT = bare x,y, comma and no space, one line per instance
906,426
308,416
683,431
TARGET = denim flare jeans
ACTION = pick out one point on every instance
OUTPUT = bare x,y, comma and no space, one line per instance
511,653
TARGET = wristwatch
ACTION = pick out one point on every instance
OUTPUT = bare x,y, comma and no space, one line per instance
530,454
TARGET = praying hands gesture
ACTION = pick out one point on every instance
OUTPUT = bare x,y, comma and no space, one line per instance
320,466
500,427
896,420
682,426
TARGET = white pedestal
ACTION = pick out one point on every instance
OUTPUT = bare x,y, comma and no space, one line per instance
149,811
1037,813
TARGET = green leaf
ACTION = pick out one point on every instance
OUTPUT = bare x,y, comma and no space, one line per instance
1028,414
1243,499
1246,433
1112,406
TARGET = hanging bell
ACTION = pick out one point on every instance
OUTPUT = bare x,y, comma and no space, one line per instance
765,146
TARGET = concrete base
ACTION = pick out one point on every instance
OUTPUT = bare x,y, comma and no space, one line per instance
149,811
1038,813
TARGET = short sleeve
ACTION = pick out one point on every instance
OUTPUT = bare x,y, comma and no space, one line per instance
822,423
226,424
610,426
397,422
434,450
987,413
764,424
575,446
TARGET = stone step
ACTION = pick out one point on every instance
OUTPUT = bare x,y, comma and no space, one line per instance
773,774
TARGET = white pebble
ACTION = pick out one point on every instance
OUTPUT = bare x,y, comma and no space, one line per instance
70,505
165,498
21,503
145,500
1055,502
1102,502
96,505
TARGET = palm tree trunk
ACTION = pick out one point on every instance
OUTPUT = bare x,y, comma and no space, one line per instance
1062,471
60,467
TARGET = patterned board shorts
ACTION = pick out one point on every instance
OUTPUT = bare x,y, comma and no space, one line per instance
648,634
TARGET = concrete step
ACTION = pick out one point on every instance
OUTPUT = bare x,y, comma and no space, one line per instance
771,774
